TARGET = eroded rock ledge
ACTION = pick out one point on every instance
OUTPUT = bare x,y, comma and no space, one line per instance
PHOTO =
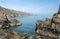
50,27
5,23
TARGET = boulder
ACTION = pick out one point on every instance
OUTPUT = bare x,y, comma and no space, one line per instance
47,22
56,18
14,22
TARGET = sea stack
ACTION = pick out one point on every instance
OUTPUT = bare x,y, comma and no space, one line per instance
50,27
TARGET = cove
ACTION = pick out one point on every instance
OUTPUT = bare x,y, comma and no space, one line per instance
28,25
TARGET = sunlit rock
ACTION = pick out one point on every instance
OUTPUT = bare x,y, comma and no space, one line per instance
5,24
8,34
49,27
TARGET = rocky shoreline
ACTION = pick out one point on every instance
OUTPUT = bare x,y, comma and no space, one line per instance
49,27
5,23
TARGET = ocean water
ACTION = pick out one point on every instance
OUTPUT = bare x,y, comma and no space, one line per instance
28,24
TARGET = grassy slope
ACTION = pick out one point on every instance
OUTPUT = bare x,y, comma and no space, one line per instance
13,12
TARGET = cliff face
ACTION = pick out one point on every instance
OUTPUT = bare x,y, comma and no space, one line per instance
50,27
6,23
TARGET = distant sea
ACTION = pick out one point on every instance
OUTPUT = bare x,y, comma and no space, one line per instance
28,24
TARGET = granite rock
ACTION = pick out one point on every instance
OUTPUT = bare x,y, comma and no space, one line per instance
49,27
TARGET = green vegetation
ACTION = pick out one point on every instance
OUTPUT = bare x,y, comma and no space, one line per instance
13,12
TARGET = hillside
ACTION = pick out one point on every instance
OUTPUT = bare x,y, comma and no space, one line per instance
11,12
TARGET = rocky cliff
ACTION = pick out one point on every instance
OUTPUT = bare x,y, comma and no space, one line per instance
6,23
49,27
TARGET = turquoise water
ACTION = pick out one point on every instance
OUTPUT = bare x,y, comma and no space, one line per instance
28,24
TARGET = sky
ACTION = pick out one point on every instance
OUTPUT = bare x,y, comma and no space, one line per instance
38,7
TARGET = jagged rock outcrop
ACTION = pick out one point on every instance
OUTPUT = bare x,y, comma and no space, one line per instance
50,27
5,23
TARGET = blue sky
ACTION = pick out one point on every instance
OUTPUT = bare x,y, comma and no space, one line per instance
39,7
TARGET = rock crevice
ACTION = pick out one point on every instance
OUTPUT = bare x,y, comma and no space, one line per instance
5,24
49,27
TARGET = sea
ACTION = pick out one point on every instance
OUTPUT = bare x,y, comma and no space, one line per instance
28,24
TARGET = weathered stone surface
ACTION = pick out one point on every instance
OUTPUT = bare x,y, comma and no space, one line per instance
49,27
5,23
31,37
56,22
56,18
8,34
46,30
14,22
